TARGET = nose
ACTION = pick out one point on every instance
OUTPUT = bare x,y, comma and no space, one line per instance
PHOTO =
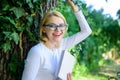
57,28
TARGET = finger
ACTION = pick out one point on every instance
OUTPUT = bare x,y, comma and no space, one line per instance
73,6
69,76
70,2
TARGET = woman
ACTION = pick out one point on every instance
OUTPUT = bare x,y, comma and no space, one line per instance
43,59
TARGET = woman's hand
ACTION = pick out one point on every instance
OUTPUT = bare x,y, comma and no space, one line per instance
73,6
69,76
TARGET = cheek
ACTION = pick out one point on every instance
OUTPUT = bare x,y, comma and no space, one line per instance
49,33
65,31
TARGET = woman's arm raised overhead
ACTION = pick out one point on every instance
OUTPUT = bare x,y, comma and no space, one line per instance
85,31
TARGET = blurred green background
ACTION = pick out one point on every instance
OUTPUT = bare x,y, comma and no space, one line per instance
97,57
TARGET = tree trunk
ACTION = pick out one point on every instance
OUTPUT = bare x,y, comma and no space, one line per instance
12,61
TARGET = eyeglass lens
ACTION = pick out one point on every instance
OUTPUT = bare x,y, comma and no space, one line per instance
53,26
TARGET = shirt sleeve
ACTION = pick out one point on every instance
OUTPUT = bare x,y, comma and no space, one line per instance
32,64
80,36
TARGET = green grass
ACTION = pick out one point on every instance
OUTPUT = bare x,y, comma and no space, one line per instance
89,77
81,72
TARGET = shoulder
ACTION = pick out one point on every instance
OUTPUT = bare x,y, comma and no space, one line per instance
36,49
37,46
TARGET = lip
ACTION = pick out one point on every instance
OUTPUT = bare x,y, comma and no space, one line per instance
57,34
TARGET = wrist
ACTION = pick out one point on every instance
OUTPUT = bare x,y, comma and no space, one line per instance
75,8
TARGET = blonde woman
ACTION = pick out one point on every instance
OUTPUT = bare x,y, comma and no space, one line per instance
43,59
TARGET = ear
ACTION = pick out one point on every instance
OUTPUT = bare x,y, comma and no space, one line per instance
43,29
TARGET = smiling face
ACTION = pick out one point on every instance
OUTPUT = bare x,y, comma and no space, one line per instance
57,34
53,27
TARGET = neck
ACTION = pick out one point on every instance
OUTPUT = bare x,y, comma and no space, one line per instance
52,45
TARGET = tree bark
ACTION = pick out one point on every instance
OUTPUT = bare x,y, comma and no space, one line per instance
11,65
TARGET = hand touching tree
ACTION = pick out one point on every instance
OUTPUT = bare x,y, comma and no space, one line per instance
73,6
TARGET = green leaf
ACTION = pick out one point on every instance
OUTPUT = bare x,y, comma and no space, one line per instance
7,35
4,5
7,19
15,37
18,12
12,36
12,67
6,46
29,3
34,0
30,20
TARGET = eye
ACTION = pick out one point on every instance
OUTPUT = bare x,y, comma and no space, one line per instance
51,25
62,25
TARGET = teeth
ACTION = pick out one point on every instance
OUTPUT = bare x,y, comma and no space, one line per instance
57,35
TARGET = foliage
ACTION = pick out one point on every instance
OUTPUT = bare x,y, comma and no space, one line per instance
19,21
15,66
105,36
118,14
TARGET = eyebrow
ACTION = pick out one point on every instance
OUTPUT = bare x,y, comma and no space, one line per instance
48,24
55,23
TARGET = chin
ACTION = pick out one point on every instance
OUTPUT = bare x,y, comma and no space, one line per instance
58,39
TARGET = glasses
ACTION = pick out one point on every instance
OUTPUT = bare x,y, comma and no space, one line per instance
54,27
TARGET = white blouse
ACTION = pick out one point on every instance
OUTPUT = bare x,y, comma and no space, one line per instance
42,62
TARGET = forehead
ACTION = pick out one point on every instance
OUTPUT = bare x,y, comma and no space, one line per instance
55,19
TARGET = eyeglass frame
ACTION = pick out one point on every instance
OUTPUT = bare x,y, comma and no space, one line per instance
54,27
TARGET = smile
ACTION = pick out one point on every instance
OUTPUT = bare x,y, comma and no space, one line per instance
57,35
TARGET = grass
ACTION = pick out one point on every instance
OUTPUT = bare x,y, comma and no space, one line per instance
80,72
89,77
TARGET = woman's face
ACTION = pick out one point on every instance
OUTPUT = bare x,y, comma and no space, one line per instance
55,28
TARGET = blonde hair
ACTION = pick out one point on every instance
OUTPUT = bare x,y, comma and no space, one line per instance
43,36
